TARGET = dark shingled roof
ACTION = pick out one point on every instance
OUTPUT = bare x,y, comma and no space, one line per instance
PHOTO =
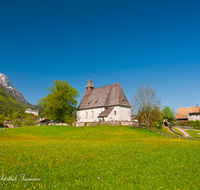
40,120
111,95
106,112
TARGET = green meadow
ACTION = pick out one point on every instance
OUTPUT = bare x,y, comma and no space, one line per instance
193,133
100,157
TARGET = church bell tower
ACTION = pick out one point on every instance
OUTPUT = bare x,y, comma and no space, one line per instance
89,86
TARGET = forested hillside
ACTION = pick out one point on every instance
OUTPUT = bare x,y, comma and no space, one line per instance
8,105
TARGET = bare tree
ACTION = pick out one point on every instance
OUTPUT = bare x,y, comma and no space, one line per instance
146,102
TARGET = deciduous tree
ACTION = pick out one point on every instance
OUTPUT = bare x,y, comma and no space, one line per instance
169,114
2,118
60,103
147,103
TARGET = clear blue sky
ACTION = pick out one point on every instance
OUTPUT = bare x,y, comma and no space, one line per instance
135,43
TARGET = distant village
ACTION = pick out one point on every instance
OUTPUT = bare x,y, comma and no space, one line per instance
109,105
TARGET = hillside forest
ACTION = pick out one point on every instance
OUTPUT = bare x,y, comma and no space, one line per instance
13,111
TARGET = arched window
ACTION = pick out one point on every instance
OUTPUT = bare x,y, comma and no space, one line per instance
86,115
92,114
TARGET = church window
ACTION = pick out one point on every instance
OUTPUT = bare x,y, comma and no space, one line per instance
92,114
86,115
114,112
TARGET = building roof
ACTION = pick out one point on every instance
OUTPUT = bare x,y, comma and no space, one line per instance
106,96
105,113
40,120
182,113
89,83
28,109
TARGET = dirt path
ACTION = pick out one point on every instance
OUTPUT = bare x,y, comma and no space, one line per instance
185,134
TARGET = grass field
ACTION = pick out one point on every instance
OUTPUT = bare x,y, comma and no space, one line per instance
193,133
101,157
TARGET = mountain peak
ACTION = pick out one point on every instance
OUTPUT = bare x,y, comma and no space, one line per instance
10,90
4,81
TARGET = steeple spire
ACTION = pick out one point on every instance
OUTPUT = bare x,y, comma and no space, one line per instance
89,86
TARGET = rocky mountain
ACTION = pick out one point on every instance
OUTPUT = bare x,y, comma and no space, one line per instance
11,91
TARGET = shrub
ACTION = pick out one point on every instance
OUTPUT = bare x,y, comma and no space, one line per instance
195,124
17,123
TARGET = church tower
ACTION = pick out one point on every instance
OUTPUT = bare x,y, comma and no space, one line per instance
89,86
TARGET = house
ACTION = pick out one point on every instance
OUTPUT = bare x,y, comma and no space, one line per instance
134,118
41,121
107,103
34,112
188,114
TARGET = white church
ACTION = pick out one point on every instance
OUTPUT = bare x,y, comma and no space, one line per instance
107,103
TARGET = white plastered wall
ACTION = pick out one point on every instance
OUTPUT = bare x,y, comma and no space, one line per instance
81,115
33,112
122,114
194,117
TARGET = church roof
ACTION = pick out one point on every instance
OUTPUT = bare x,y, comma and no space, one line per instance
110,95
89,83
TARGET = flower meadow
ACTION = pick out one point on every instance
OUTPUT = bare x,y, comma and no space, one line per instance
100,157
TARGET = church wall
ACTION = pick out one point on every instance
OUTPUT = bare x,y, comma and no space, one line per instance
122,114
125,113
81,115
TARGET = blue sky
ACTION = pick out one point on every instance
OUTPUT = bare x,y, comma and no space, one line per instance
135,43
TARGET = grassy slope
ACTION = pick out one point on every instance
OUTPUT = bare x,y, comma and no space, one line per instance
97,158
193,133
165,130
73,133
177,130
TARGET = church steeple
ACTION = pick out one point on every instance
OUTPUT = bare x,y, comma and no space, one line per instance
89,86
89,83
